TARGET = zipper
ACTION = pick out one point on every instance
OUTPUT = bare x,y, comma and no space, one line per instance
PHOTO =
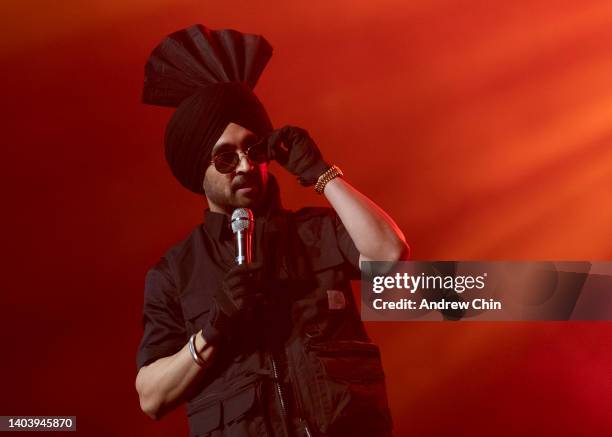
283,400
297,396
306,429
279,388
279,391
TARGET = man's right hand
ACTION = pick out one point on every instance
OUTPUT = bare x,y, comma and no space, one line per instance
239,295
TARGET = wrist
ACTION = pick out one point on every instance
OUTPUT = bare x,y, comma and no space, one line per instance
310,176
204,348
328,186
210,333
195,357
332,173
200,343
200,349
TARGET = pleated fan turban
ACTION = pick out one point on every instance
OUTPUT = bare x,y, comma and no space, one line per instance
208,76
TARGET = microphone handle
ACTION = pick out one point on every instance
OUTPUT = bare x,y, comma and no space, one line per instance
243,247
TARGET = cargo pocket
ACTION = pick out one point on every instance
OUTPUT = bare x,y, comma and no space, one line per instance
237,415
205,420
350,387
243,413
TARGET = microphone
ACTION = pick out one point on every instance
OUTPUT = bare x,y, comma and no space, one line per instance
242,227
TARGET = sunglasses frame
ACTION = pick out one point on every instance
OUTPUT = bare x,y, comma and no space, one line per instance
237,161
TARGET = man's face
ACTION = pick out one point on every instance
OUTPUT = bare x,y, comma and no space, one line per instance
244,186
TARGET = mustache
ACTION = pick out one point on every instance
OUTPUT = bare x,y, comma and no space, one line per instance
248,180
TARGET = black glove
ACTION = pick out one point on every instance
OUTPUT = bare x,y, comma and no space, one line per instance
238,297
300,155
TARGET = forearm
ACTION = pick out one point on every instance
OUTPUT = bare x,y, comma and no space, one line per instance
374,233
162,384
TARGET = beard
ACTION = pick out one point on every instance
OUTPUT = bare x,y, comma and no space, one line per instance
243,191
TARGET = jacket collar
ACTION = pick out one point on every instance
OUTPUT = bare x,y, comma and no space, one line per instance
217,225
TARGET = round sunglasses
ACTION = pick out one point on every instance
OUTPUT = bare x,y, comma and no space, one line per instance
226,162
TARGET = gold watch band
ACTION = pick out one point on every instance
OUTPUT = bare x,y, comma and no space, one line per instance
333,172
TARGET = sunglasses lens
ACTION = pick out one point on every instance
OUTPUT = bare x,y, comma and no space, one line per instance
226,162
258,153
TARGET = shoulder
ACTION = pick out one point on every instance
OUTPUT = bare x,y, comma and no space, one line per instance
315,223
319,229
169,263
312,213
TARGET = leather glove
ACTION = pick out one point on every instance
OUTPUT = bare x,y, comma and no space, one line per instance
236,300
293,148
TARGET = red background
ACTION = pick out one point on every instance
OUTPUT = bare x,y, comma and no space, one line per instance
482,128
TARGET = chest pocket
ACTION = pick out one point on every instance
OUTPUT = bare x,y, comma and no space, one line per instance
195,303
320,246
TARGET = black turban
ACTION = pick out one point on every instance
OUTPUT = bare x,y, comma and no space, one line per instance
208,75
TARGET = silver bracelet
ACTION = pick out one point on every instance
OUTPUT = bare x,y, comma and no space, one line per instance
192,349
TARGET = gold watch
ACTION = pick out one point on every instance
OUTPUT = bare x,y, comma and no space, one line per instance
331,173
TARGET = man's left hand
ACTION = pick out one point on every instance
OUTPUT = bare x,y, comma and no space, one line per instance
293,148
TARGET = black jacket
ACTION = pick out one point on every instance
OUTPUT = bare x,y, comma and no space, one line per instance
306,366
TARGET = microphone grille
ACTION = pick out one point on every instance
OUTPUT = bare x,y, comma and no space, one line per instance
242,218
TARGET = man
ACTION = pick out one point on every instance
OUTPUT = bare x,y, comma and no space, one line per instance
274,347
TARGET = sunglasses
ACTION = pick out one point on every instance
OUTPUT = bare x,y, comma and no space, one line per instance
226,162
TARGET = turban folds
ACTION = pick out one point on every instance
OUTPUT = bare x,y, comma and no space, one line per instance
208,75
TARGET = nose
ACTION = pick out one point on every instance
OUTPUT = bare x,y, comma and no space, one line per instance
242,167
